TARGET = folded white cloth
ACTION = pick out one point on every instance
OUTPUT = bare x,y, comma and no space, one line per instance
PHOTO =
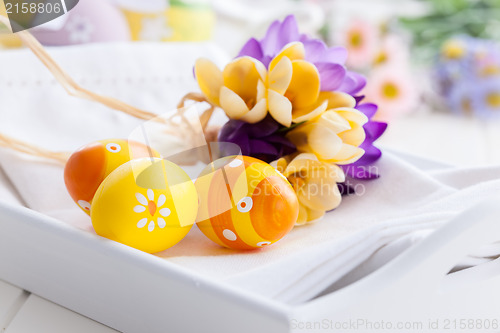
407,198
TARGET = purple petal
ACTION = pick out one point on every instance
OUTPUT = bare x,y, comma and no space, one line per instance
269,43
336,54
353,83
345,189
304,38
263,128
358,99
289,31
244,144
372,154
375,129
281,141
262,147
253,49
266,60
331,75
230,130
360,172
369,109
240,140
287,150
315,50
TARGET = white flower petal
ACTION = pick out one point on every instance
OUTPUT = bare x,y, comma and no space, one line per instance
139,209
348,154
352,115
298,116
142,199
258,112
280,76
161,200
232,104
335,122
324,142
142,223
279,107
161,223
261,90
209,79
151,195
165,212
151,226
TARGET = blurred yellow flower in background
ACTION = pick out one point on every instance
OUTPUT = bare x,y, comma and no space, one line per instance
314,182
453,49
7,38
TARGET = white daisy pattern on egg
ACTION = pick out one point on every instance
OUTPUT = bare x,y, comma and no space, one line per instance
151,209
80,29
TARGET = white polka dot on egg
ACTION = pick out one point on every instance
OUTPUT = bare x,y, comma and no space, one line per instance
245,204
84,204
229,235
235,163
113,147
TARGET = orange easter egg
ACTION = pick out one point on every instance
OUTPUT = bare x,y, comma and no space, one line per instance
91,164
244,203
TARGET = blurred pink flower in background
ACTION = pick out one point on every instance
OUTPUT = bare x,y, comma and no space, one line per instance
393,89
392,51
384,57
360,38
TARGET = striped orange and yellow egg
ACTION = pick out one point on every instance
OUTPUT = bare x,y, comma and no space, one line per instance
245,203
87,168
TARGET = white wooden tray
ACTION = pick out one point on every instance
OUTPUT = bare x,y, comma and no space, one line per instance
132,291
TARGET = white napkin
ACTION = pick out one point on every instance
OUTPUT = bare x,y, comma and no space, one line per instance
407,198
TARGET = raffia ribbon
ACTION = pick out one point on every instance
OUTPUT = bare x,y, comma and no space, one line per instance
73,89
8,142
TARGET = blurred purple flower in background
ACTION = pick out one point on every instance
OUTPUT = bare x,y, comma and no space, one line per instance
468,75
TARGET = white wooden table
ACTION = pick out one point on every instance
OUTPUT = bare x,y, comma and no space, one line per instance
22,312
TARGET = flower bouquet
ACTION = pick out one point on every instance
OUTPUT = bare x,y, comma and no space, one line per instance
292,102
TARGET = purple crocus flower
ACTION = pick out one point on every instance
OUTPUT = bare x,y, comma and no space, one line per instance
263,140
329,61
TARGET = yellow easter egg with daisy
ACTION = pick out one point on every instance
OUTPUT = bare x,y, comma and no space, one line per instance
149,204
245,203
91,164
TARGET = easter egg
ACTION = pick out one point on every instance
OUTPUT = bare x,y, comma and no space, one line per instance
148,204
91,164
90,21
245,203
